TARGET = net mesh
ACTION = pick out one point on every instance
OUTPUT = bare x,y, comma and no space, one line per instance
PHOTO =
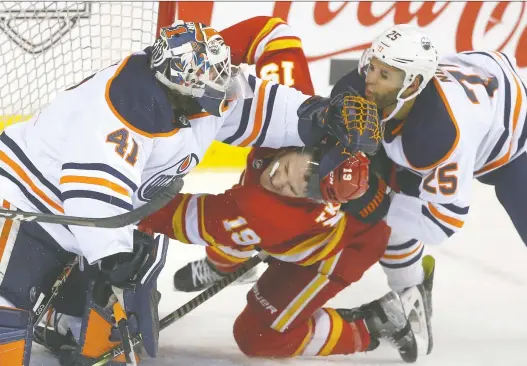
47,46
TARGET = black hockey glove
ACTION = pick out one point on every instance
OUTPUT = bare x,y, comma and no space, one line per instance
347,117
373,205
121,269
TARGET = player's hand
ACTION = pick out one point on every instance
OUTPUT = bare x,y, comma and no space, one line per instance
347,117
373,205
121,269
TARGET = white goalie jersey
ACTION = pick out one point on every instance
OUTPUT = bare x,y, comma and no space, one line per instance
103,147
467,122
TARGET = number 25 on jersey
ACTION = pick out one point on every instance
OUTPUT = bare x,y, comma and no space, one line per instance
442,180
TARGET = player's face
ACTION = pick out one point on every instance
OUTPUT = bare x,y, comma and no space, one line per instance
287,174
383,83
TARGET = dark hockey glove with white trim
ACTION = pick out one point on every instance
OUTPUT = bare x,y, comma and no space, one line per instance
121,269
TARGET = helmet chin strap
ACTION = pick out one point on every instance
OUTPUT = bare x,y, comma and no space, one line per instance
400,103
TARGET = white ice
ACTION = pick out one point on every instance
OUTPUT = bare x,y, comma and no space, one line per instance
479,304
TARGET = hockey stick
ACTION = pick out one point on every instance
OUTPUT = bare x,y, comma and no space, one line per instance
44,301
188,307
160,199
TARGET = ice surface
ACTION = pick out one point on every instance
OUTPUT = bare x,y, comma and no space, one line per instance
479,300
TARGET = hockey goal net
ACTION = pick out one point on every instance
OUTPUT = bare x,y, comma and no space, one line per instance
47,46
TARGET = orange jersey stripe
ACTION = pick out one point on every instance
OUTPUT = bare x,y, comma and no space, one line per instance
450,220
258,117
95,181
402,256
206,114
23,175
5,230
517,108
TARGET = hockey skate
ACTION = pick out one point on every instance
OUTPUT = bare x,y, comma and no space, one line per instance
201,274
54,333
385,319
417,302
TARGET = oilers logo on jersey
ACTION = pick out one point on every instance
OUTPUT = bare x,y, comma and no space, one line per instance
167,176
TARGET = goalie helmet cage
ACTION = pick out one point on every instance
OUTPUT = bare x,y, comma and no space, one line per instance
48,46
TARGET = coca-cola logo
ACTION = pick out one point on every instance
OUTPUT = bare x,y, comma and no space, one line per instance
351,26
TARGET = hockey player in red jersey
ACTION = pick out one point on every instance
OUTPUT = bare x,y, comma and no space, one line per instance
283,207
273,48
293,214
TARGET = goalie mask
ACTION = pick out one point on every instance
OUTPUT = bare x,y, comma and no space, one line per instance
193,59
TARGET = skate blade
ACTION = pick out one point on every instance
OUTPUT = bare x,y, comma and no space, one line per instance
413,303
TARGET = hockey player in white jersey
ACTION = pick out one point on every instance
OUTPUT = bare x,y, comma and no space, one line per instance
448,120
105,146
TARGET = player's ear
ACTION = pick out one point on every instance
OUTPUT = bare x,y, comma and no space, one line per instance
416,83
412,88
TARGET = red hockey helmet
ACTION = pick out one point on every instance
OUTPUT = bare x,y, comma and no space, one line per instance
338,176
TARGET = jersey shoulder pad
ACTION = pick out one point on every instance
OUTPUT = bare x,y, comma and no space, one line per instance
430,133
135,97
351,82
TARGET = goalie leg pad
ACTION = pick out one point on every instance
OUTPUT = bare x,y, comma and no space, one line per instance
15,336
143,298
31,262
96,331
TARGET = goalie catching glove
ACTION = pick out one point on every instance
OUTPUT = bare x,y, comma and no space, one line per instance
347,117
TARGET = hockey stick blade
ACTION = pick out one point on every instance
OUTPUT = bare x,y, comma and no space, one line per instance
160,199
188,307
